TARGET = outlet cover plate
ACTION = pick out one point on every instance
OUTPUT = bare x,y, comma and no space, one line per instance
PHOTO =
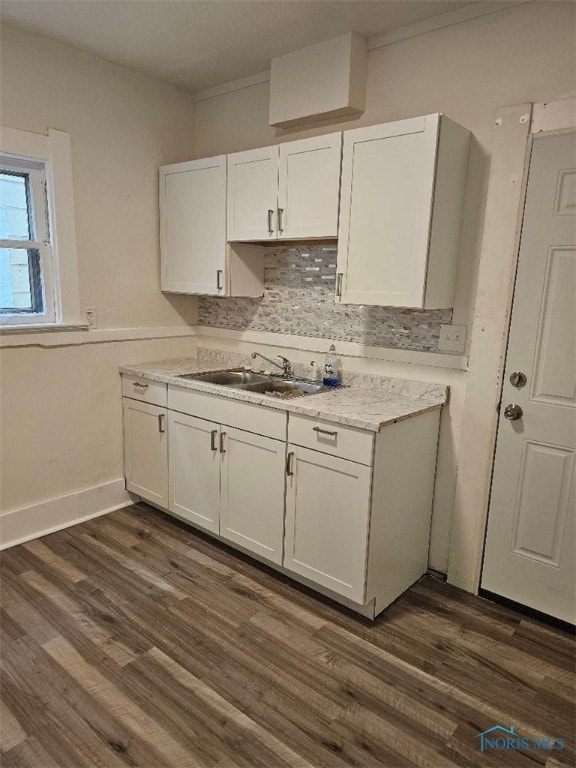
452,339
91,317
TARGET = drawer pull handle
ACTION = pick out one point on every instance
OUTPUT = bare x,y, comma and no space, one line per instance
161,427
213,434
270,225
138,384
280,212
222,436
324,432
290,464
218,279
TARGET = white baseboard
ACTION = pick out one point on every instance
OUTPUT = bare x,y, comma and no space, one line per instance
27,523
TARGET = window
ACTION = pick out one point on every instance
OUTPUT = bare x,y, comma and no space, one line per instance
38,267
26,293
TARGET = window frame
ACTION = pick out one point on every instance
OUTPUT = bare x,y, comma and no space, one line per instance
39,241
48,160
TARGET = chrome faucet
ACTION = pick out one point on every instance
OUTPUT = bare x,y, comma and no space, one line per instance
285,367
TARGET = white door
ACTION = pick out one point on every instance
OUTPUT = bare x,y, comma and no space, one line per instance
193,226
327,516
385,212
253,481
530,552
309,187
195,460
253,194
146,451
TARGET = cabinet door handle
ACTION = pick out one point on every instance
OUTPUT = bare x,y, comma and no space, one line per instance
339,276
218,280
270,225
280,212
222,436
290,464
213,434
139,385
324,432
161,427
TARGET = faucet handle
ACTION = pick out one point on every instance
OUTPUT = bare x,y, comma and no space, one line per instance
286,365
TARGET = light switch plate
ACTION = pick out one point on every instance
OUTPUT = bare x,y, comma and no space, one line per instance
452,339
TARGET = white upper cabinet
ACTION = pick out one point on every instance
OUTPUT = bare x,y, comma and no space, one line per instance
195,257
285,192
253,194
309,187
192,225
400,213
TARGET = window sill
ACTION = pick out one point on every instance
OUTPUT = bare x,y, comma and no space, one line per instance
30,328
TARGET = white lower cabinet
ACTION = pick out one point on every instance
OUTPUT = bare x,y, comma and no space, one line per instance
359,505
194,470
228,481
344,510
327,519
252,484
146,450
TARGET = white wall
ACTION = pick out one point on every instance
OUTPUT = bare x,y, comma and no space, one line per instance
123,125
61,424
467,71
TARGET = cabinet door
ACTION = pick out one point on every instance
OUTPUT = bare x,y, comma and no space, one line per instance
253,481
327,516
146,451
309,187
195,461
253,194
385,212
193,226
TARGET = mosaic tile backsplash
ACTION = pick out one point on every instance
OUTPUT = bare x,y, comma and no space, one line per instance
299,300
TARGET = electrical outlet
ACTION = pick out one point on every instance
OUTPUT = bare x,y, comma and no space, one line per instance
91,317
452,339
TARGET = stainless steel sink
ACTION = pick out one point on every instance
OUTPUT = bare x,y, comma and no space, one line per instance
233,378
256,382
281,387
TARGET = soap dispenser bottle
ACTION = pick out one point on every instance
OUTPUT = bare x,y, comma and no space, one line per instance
332,368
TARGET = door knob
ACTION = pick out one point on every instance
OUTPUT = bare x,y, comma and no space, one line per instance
513,412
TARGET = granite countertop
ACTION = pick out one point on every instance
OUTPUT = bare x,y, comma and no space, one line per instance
366,401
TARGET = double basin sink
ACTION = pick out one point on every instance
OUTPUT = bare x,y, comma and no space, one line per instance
267,384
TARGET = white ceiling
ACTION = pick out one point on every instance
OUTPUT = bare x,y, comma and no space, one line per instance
198,44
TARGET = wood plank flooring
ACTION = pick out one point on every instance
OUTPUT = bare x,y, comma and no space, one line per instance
132,640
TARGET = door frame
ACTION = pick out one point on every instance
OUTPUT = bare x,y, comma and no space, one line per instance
514,131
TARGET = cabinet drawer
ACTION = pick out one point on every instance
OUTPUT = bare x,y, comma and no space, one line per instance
153,392
334,439
232,413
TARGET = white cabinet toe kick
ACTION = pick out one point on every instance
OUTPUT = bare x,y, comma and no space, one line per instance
342,510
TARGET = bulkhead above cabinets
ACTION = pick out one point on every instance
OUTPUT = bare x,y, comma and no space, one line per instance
392,194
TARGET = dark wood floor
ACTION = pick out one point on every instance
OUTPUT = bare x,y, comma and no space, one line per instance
133,641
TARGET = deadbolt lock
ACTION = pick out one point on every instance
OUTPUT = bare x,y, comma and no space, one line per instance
518,379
